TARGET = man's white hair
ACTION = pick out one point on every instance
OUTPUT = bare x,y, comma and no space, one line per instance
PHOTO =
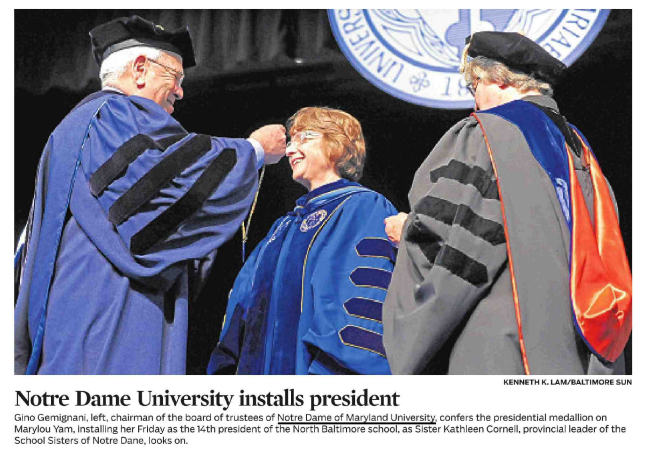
115,65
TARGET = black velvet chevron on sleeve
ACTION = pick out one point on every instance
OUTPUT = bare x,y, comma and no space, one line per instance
159,176
167,222
116,165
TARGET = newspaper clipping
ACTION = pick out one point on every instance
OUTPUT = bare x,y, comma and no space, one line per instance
449,291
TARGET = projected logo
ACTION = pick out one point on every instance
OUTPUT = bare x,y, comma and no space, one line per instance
415,54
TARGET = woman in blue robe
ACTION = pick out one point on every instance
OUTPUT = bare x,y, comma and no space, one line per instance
309,298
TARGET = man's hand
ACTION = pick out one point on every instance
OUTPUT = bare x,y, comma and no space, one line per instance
393,226
272,139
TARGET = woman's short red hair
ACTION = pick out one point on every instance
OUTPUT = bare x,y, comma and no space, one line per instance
342,134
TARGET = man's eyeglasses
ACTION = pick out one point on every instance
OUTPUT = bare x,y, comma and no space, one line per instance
472,86
179,76
301,137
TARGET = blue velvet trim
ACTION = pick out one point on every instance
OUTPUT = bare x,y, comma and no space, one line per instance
364,308
363,339
368,276
376,247
546,143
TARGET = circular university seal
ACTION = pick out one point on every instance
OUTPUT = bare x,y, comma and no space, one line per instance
313,220
415,54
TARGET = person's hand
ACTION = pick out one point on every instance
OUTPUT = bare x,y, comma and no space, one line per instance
272,139
393,227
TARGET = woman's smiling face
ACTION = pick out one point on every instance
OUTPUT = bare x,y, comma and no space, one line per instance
310,164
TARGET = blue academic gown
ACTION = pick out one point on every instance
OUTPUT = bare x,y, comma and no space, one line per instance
309,298
128,214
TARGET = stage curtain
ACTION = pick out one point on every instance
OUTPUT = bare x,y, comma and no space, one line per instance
52,47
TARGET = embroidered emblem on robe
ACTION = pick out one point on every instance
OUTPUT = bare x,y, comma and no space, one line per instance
313,220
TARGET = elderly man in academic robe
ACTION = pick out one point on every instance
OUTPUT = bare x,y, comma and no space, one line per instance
511,260
128,214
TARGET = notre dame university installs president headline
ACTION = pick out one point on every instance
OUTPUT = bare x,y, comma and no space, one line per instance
138,412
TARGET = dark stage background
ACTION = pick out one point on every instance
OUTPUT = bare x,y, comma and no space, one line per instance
248,76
